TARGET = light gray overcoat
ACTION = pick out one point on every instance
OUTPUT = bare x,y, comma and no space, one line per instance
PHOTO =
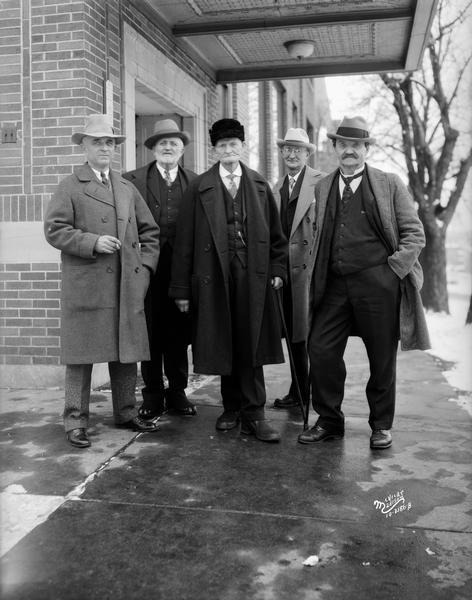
404,233
102,296
300,250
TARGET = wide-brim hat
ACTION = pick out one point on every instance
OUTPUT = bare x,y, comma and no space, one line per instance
165,129
226,129
97,126
296,136
353,129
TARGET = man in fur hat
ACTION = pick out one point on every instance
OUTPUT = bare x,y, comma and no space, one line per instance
366,282
295,196
162,184
230,255
109,247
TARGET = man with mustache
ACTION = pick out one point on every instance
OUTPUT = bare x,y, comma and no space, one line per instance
230,255
366,282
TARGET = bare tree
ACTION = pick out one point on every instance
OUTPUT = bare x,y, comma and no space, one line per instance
436,151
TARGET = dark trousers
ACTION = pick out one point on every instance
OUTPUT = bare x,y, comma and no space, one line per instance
77,393
244,389
366,303
169,335
299,352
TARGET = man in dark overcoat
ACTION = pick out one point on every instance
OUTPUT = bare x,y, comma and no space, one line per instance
162,183
295,197
109,247
366,281
229,257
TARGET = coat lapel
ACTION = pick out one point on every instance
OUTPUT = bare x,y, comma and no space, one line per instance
381,190
152,182
305,198
93,188
122,203
211,196
322,194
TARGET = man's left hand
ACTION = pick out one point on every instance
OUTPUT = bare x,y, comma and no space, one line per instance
276,283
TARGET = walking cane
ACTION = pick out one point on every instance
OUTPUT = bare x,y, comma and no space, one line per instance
303,408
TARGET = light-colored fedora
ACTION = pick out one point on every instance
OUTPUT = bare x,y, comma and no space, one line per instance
97,126
353,129
296,136
166,128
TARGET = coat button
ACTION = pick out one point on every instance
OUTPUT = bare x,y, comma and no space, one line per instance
134,244
206,280
308,219
129,219
109,270
104,219
137,270
303,266
305,242
207,248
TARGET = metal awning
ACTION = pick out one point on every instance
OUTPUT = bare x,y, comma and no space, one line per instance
248,40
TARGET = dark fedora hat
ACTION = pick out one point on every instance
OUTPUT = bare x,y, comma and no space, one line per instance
226,128
166,129
353,129
97,126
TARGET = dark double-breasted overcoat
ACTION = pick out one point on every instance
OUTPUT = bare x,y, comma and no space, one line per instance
102,297
200,271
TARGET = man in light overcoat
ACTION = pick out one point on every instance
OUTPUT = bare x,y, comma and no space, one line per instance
162,183
229,257
366,281
109,247
295,197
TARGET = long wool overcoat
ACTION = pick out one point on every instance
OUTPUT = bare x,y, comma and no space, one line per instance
300,250
200,270
102,296
404,234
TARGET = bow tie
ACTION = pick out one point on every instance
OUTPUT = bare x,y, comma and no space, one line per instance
347,180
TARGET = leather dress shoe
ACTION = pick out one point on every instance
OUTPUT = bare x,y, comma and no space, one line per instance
152,406
227,420
286,402
78,438
177,401
380,439
262,430
317,433
139,424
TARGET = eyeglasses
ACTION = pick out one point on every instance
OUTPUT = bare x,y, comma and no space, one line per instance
287,150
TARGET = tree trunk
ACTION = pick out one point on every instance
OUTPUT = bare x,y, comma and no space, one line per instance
433,260
468,319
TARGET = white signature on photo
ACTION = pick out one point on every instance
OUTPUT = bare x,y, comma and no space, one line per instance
393,504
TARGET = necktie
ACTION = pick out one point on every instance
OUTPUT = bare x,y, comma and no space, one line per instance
291,184
104,179
233,189
347,192
167,177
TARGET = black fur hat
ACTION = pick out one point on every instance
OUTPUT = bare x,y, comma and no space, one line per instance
226,128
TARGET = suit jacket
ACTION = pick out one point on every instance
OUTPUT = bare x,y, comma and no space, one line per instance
200,270
141,178
404,235
102,292
300,249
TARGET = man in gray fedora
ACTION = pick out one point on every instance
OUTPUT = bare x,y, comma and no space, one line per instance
295,196
162,184
366,282
109,247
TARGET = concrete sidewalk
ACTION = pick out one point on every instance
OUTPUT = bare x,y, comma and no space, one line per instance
190,513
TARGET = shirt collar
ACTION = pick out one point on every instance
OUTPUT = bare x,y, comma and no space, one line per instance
98,173
172,172
356,172
225,173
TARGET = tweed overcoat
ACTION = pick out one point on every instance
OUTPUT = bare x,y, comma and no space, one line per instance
300,250
404,234
200,270
102,295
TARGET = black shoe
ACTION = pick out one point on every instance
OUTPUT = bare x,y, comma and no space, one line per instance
177,401
138,424
380,439
78,438
286,402
227,420
262,430
319,434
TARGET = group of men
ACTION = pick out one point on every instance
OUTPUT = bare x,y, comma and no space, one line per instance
161,258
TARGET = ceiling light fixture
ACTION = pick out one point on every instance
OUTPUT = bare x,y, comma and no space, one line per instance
300,48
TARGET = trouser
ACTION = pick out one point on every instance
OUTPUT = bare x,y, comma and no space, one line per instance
299,351
169,334
368,303
77,393
244,389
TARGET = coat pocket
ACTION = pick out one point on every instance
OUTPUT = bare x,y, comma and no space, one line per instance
87,287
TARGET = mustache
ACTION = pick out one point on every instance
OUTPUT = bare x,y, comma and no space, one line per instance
350,155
